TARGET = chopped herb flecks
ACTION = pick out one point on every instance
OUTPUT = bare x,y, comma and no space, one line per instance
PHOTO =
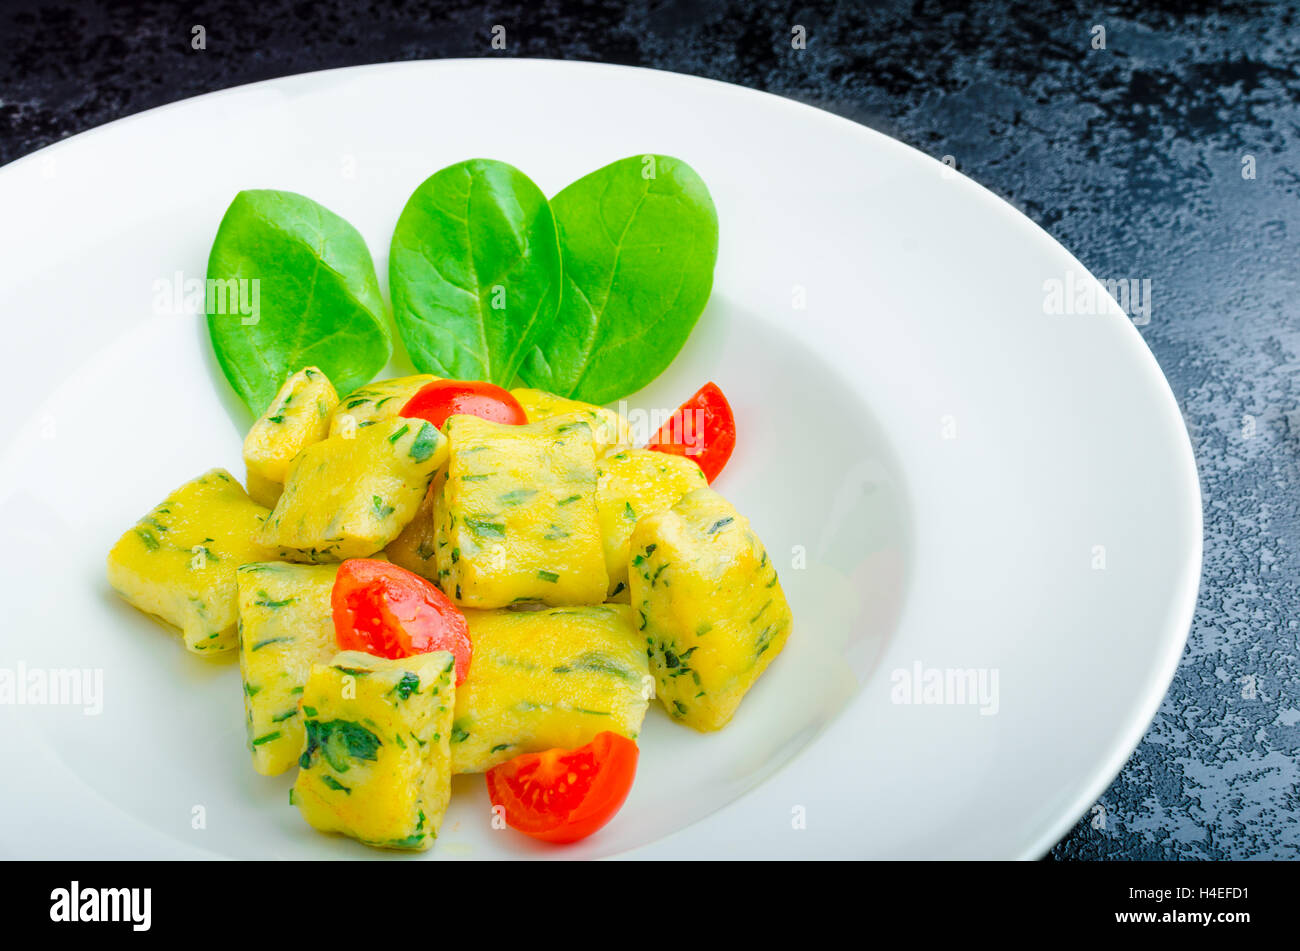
334,784
409,684
485,529
426,441
339,741
271,640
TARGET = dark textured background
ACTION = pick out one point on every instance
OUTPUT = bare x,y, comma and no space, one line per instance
1130,156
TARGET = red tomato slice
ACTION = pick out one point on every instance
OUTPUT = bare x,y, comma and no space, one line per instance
442,398
565,795
387,611
703,429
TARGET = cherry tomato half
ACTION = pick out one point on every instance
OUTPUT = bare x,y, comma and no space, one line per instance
565,795
703,429
442,398
385,610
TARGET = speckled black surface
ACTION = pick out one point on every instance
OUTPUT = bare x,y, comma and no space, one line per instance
1131,156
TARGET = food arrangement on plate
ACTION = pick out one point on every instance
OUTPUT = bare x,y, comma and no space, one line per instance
480,567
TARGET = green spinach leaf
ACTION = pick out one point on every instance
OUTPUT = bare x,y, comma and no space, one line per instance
474,271
291,285
638,239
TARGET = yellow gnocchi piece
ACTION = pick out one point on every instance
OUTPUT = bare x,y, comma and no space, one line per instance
545,679
709,606
377,762
178,562
518,513
348,497
285,626
608,427
297,417
631,484
368,404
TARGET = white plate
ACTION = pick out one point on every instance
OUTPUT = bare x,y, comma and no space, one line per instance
953,463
